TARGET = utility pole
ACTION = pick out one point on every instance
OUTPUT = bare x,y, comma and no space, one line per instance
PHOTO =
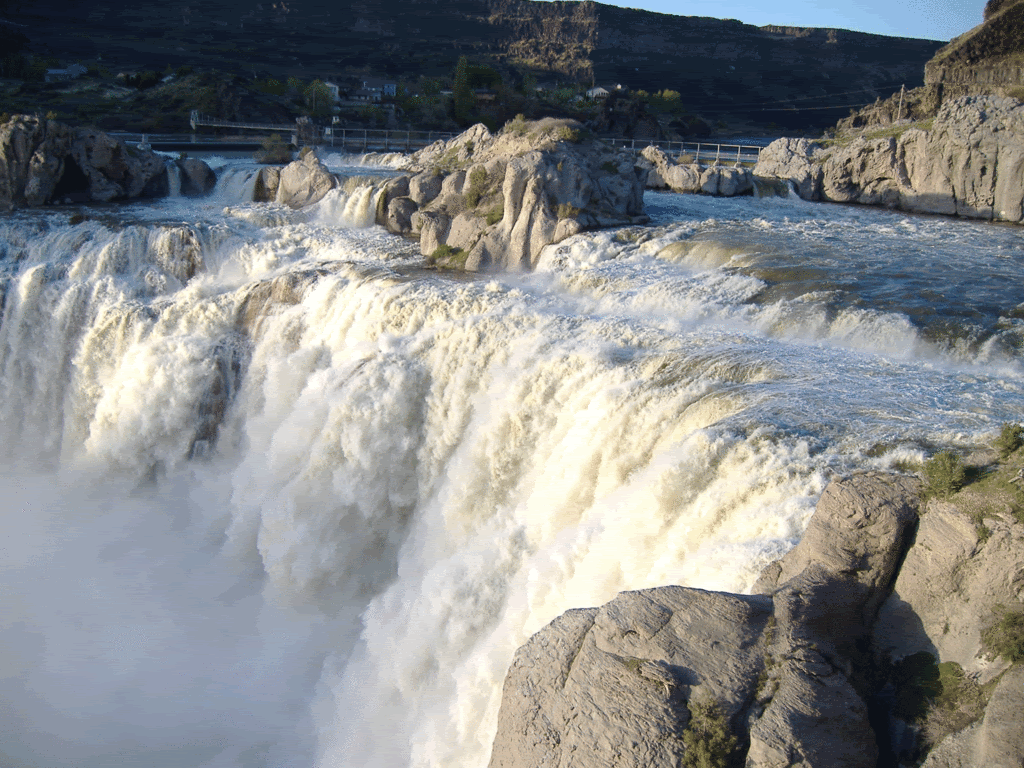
899,115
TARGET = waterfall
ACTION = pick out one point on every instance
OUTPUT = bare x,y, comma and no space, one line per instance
277,495
173,179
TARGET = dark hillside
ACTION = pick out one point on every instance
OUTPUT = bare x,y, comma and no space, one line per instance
723,69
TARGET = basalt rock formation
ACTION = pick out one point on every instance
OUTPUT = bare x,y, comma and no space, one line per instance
810,670
43,161
984,61
969,163
483,201
716,179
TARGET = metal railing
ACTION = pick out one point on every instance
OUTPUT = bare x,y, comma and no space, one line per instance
698,151
369,139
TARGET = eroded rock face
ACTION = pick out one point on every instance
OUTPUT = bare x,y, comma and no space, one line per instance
496,201
43,161
613,686
792,160
948,587
970,163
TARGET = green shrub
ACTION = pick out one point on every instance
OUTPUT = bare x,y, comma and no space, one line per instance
447,256
609,167
516,126
568,211
496,214
1005,636
477,186
1011,437
708,741
566,133
916,680
943,475
274,151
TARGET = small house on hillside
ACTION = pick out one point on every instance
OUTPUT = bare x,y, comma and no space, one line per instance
598,93
334,89
380,86
68,73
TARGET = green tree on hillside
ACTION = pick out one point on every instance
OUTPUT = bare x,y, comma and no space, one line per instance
318,99
462,94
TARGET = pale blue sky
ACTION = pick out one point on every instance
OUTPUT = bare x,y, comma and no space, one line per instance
931,19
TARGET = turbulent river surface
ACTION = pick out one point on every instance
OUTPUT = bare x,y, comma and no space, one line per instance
274,496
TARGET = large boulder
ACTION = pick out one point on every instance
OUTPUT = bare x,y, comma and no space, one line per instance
495,201
304,181
793,161
618,685
43,161
197,178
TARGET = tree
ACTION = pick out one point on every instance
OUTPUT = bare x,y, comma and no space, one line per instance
462,94
318,99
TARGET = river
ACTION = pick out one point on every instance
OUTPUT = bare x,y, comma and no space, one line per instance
275,496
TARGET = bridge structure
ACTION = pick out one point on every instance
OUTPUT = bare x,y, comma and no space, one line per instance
304,132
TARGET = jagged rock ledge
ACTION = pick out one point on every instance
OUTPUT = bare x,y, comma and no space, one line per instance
43,161
815,669
969,163
485,201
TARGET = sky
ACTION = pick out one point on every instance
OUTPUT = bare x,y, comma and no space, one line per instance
929,19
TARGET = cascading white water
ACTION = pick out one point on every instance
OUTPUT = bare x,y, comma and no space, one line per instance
275,496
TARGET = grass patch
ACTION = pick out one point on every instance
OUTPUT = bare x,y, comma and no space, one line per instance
1004,637
496,214
568,211
516,126
447,256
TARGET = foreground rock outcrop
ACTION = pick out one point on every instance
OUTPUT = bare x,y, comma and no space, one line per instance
43,161
494,201
617,685
969,163
816,668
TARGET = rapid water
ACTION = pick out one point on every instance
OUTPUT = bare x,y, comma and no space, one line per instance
275,496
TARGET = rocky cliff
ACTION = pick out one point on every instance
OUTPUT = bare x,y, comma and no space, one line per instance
986,60
43,161
839,658
968,163
494,201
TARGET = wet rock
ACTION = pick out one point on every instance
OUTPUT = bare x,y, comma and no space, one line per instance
792,160
970,163
197,178
304,182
